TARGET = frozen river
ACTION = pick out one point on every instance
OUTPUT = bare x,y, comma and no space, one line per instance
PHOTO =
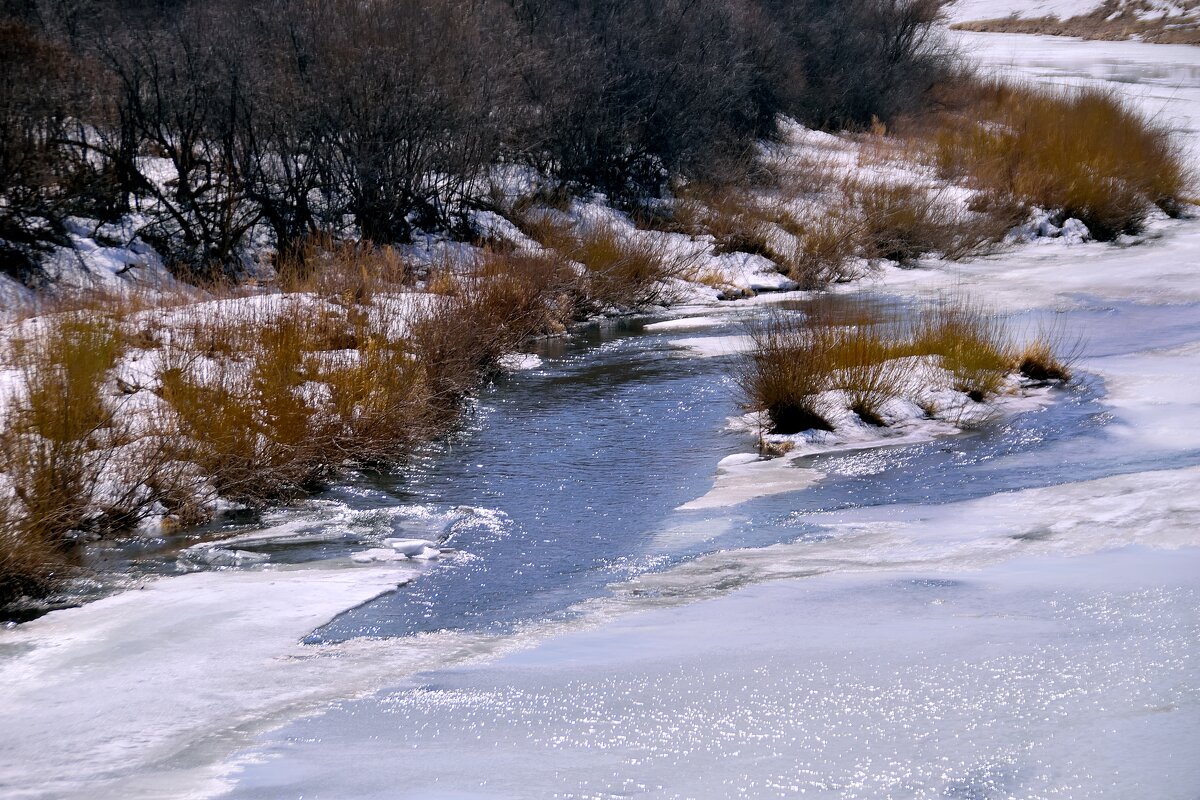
1009,613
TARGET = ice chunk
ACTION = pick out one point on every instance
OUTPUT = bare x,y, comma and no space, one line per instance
220,557
1075,231
377,555
410,547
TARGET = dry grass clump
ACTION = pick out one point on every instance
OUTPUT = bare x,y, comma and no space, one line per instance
56,418
625,270
865,366
972,343
1039,362
866,354
788,369
549,227
822,247
824,250
28,562
302,391
902,221
1045,358
58,436
1082,152
731,216
502,302
379,403
348,272
247,423
528,294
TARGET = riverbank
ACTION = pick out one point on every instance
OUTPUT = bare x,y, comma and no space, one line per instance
135,403
1157,21
1000,558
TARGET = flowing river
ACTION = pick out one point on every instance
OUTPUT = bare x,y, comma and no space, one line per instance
1012,612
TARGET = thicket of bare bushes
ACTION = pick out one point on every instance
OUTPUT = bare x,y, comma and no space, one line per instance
215,120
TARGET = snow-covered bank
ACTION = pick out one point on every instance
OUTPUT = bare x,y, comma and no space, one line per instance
138,694
1159,78
971,10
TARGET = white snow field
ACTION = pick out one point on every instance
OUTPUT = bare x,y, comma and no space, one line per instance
972,10
1040,643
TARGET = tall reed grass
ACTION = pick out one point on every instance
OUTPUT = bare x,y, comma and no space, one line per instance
857,354
1085,153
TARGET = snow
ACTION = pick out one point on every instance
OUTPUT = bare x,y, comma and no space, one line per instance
1158,269
687,323
1038,678
744,476
210,656
1158,509
971,10
520,362
1154,394
714,346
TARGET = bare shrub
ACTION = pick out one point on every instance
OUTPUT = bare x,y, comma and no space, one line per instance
45,172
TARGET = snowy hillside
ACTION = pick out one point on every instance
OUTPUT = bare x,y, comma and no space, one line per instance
971,10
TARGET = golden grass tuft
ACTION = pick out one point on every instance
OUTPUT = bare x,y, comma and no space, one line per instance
972,343
625,270
1081,152
865,364
347,272
56,418
787,370
865,352
1045,358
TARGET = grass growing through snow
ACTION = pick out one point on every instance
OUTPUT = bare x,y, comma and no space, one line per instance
255,399
56,417
57,443
786,374
1081,152
972,343
853,354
